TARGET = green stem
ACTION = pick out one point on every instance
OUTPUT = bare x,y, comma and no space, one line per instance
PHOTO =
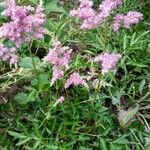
33,62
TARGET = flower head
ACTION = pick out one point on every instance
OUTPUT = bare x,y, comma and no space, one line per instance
59,56
57,74
132,17
92,18
74,79
108,61
8,54
84,11
118,22
25,21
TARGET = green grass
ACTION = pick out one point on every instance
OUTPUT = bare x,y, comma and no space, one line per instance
88,119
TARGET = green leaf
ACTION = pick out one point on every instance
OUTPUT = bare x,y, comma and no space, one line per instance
53,7
17,135
147,139
24,98
115,100
34,1
103,144
125,42
136,64
27,62
32,96
23,142
121,140
52,147
142,84
1,10
34,82
21,98
43,79
112,146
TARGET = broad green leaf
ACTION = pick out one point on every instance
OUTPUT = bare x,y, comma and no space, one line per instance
27,62
24,98
53,7
21,98
43,79
115,100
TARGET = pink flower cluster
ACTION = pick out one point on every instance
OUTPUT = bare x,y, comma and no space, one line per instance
85,10
92,18
74,79
59,56
25,22
108,61
7,54
132,17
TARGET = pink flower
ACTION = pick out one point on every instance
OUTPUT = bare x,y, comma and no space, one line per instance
74,79
59,56
118,22
8,54
84,11
92,18
57,74
25,21
108,61
126,21
131,18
